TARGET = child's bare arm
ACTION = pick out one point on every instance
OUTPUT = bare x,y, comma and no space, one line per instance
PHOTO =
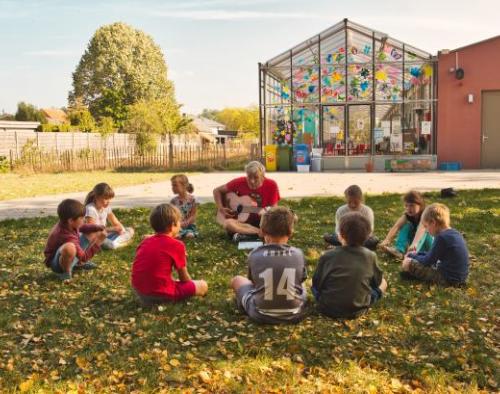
183,274
191,218
394,230
116,225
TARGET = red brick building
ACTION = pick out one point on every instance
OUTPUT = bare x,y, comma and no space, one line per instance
468,115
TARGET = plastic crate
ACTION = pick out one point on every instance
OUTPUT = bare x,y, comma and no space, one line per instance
450,166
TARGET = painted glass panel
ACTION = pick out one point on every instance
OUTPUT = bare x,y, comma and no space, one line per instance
359,82
276,117
388,82
418,81
305,84
360,47
387,50
306,122
333,51
332,84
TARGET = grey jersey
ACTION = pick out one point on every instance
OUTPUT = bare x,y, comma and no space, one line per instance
277,272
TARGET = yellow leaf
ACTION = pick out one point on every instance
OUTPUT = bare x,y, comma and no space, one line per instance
174,362
82,362
26,385
205,377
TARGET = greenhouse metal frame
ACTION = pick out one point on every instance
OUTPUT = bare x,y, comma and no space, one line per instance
354,94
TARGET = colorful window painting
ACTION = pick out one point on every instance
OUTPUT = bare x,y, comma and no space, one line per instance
351,91
306,122
305,84
388,82
418,81
332,84
359,82
387,51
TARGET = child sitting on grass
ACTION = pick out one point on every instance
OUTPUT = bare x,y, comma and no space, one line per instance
186,203
157,256
411,234
354,203
447,263
98,211
273,292
348,280
71,244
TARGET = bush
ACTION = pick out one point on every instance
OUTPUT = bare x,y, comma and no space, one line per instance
4,164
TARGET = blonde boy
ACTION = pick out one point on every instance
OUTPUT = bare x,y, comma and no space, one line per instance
447,263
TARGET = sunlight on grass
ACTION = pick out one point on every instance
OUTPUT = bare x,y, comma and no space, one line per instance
92,335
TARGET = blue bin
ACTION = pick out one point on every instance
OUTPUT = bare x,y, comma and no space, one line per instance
301,154
450,166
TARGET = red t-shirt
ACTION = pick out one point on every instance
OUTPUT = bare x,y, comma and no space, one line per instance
152,268
266,196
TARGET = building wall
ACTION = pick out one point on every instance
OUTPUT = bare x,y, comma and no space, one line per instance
459,122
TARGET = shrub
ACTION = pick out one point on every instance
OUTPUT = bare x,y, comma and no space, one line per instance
4,164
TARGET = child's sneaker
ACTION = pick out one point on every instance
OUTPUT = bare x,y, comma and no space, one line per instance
89,265
237,237
64,276
392,251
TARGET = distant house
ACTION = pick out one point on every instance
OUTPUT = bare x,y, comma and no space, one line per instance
55,116
14,125
212,130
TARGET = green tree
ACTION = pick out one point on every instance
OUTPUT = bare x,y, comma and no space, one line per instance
243,120
106,125
120,67
5,116
81,117
29,113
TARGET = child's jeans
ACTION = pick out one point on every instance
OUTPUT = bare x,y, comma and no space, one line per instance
405,238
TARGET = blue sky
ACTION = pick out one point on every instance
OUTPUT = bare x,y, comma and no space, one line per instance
211,47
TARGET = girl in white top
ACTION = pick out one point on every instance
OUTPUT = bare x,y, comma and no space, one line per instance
98,211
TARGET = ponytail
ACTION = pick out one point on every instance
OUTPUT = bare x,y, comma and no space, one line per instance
99,190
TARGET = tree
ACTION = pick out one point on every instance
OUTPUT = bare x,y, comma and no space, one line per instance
29,113
210,113
81,117
106,125
120,67
5,116
243,120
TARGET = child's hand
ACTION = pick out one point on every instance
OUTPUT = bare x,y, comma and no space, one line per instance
412,249
405,265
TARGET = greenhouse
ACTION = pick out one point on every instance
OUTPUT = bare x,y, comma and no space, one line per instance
353,96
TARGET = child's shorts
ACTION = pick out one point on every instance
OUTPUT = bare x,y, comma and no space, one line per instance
246,304
54,263
183,290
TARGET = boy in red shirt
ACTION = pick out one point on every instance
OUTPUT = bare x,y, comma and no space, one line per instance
155,258
66,248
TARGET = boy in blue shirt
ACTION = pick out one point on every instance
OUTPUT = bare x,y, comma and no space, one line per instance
447,263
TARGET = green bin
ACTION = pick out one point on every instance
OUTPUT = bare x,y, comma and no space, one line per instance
284,158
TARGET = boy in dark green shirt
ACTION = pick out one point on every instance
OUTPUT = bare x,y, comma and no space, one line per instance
348,279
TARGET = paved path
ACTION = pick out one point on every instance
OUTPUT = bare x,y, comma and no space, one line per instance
291,184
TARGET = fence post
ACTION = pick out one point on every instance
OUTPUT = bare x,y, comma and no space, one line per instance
11,160
17,143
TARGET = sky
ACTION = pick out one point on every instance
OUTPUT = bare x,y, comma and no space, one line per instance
211,47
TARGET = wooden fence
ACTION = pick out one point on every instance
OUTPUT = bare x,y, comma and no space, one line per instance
188,157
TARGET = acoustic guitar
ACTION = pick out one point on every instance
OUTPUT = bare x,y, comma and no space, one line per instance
241,206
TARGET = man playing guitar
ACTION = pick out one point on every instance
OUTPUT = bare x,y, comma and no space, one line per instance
262,190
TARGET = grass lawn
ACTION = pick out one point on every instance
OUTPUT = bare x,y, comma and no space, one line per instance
18,186
92,336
